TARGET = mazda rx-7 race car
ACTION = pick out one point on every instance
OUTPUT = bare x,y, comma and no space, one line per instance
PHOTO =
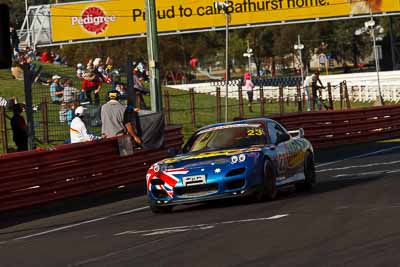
242,158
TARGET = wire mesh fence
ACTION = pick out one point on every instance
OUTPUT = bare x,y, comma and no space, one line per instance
192,109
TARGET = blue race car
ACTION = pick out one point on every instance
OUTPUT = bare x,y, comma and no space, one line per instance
235,159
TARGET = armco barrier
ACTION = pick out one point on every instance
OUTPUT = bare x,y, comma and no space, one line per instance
35,177
40,176
333,128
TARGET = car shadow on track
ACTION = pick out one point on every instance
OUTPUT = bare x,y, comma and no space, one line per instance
285,194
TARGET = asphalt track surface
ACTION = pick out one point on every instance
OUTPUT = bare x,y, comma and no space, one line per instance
352,218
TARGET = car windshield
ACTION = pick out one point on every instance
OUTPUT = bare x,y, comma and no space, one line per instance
227,137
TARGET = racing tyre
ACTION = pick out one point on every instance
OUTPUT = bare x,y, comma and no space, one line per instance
160,209
269,190
309,174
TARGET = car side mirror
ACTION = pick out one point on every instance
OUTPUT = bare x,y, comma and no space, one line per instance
172,152
282,138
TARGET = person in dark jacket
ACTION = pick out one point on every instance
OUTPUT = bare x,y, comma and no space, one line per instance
19,129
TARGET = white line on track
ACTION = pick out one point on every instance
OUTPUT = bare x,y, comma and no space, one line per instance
361,174
360,166
146,207
78,224
359,156
195,227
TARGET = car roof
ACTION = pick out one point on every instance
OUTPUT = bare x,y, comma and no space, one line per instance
252,120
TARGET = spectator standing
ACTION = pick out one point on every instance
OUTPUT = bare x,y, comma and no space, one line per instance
14,38
70,92
70,112
130,122
79,71
56,90
138,84
91,83
78,130
19,128
249,86
112,116
315,80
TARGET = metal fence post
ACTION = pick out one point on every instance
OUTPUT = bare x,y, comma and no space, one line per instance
241,113
330,96
3,130
192,107
281,101
45,121
218,104
167,108
341,96
262,101
29,105
298,98
346,95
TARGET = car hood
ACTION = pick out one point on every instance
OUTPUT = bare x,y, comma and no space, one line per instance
216,157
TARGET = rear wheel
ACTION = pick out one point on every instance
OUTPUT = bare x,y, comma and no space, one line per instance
268,190
309,174
160,209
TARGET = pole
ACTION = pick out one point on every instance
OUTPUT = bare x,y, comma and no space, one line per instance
301,60
28,105
153,54
226,59
380,100
3,131
129,84
248,49
28,34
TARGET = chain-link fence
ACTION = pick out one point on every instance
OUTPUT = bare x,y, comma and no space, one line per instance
193,109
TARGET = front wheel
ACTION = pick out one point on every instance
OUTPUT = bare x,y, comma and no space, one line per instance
309,174
268,190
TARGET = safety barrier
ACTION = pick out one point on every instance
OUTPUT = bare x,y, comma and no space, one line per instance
333,128
40,176
35,177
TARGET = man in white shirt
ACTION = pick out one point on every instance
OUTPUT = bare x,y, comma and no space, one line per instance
78,129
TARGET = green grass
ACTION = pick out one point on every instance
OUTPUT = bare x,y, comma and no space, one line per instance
205,104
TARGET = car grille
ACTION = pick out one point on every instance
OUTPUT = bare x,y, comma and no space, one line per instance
159,193
196,190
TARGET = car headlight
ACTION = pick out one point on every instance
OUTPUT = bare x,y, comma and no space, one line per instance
234,159
239,158
156,168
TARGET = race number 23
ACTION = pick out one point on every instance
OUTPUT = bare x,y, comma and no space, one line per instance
254,132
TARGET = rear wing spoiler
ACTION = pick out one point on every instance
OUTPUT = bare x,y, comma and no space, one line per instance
297,133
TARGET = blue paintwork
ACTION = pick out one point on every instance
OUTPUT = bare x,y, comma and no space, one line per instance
287,159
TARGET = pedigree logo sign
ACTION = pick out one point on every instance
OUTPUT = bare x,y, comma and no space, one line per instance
115,18
93,20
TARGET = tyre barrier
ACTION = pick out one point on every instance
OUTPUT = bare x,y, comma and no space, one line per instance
40,176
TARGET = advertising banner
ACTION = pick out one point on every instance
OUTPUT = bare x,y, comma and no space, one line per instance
102,19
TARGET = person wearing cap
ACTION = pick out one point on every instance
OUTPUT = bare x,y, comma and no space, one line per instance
56,90
19,129
91,83
114,118
78,130
79,71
